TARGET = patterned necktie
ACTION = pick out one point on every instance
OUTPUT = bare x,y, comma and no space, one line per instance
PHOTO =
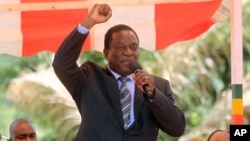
125,98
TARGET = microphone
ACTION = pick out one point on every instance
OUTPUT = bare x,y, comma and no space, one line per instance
134,67
3,137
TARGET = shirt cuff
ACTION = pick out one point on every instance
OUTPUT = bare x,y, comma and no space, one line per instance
82,29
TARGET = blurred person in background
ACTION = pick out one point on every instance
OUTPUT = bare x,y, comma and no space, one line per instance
22,130
219,135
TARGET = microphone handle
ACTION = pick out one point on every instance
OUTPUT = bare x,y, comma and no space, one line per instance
147,91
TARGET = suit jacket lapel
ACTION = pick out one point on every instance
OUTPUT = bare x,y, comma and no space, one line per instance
113,95
138,102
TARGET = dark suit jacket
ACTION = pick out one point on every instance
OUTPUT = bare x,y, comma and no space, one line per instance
96,94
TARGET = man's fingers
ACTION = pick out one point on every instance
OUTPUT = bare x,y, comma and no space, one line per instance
104,9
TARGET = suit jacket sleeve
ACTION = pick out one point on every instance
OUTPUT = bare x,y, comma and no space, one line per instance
65,62
170,118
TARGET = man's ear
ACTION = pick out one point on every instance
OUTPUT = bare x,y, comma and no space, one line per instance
105,52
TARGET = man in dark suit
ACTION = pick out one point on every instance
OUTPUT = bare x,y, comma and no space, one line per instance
96,90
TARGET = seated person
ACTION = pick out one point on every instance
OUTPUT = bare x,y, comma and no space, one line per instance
219,135
22,129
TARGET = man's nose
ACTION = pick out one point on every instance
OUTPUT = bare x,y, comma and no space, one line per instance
128,51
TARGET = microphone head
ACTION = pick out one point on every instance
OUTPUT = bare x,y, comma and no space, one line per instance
134,66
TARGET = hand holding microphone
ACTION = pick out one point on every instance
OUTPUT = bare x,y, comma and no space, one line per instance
143,80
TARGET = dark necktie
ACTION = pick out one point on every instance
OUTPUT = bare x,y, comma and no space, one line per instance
125,98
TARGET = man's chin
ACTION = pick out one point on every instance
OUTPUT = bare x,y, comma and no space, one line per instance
126,72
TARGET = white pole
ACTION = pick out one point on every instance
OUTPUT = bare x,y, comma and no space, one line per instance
237,62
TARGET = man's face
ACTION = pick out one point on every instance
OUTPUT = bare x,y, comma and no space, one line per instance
24,132
123,50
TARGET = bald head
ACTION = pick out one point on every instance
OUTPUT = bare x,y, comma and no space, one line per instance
22,130
219,135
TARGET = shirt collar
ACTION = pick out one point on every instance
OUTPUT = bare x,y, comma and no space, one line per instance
116,75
